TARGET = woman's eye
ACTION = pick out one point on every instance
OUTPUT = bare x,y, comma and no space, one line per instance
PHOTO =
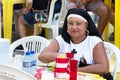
71,24
79,23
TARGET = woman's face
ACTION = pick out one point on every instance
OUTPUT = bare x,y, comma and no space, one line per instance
76,27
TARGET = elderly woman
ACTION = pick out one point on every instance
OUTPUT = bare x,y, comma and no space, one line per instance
80,34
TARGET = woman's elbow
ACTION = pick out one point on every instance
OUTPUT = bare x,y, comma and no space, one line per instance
105,69
41,58
45,58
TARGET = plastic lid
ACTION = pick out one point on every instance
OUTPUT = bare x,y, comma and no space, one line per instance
32,52
27,53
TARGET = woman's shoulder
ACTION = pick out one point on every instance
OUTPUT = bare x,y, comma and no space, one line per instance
58,37
95,39
60,40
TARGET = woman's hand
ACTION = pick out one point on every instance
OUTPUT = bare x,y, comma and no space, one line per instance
25,11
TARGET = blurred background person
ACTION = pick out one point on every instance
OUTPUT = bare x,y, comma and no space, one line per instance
96,6
33,7
112,19
28,19
17,8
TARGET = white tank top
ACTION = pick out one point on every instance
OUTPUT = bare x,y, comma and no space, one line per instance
84,48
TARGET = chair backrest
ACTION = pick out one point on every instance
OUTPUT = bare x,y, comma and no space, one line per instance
62,14
114,53
52,6
63,10
48,24
11,73
36,43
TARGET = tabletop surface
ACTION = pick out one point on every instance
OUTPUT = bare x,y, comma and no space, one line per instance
5,78
80,76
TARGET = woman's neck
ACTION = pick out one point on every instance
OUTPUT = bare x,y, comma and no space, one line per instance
78,39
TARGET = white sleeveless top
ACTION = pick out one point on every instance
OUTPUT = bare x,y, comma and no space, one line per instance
84,48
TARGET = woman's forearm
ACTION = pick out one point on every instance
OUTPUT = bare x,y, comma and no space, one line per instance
95,68
47,56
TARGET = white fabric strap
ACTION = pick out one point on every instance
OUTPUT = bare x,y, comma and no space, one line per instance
78,16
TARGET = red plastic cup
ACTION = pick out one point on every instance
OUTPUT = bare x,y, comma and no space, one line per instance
73,69
61,60
69,56
60,69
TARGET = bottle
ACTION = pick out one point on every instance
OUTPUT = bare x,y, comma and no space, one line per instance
73,69
34,62
27,63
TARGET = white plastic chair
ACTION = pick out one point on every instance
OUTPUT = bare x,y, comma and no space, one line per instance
62,14
48,24
61,17
112,50
11,73
59,23
36,43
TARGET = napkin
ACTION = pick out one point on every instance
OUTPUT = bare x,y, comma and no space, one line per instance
4,50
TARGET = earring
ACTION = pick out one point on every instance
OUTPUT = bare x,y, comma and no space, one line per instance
67,31
87,32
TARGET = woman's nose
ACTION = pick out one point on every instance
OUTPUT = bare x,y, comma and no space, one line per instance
74,26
